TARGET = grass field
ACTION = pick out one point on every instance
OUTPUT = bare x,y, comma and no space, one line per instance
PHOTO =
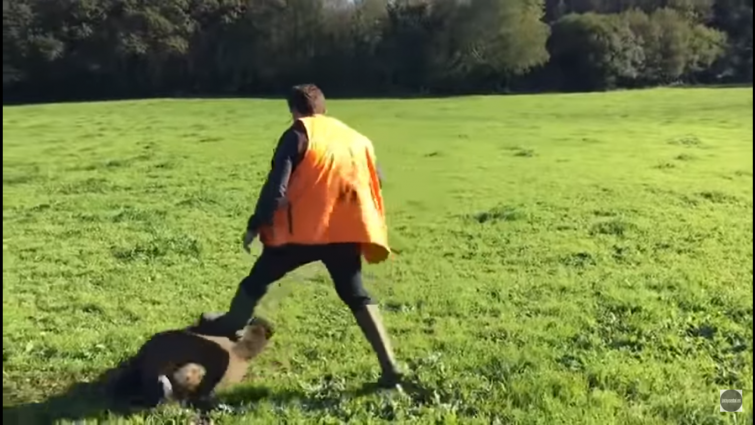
567,259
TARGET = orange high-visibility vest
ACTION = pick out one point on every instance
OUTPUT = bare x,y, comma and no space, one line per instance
334,193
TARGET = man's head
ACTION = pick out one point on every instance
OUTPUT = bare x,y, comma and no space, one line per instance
305,100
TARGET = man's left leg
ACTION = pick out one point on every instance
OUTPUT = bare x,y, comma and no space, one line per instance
271,266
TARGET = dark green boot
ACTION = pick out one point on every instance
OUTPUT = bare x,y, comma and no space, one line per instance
231,323
370,321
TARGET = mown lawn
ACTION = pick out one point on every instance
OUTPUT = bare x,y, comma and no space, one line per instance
566,259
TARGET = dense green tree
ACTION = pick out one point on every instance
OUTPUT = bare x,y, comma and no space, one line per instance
734,17
56,49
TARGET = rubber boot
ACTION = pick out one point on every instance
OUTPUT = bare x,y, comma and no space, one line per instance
370,321
231,323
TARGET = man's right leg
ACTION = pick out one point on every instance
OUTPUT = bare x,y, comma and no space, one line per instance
271,266
344,263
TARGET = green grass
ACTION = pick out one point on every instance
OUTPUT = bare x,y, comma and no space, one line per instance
569,259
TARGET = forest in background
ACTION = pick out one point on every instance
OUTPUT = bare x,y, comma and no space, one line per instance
56,50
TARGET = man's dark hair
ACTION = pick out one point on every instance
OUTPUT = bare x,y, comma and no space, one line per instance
306,99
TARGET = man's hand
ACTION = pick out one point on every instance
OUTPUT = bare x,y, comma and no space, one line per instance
249,237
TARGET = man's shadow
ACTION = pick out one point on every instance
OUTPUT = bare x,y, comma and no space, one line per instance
245,395
89,401
82,400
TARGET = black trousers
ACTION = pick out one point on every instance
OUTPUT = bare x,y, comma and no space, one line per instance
342,260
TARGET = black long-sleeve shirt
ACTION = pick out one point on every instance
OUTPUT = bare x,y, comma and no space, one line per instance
291,148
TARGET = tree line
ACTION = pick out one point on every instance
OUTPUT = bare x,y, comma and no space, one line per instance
93,49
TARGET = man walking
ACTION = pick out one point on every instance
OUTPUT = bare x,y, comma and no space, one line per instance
322,201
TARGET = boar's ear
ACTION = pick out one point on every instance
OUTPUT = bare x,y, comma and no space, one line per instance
265,324
167,387
157,392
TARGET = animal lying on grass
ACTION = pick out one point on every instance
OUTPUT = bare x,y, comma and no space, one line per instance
188,367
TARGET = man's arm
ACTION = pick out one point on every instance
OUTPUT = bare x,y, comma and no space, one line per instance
287,156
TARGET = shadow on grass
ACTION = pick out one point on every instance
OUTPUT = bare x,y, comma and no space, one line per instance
83,400
415,390
89,401
249,395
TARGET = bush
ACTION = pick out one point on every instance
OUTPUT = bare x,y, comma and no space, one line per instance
597,52
594,52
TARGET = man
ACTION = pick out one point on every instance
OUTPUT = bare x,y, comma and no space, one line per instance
322,201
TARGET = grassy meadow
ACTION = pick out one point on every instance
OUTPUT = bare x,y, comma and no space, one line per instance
565,259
